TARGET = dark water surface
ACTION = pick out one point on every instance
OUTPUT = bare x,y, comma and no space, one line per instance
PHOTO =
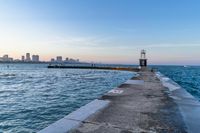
32,96
187,77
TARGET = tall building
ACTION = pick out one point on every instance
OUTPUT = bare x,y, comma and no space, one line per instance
28,57
35,58
59,58
72,60
6,58
23,58
52,60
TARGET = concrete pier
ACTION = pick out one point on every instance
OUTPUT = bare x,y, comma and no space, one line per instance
148,103
93,67
141,104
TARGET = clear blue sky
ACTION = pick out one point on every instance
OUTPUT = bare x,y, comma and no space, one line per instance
107,31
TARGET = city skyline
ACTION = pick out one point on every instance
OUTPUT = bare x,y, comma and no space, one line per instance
102,31
28,57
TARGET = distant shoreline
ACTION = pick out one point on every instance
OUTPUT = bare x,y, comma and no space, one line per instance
47,62
40,62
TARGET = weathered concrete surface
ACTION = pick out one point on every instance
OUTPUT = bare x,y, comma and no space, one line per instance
188,104
136,107
75,118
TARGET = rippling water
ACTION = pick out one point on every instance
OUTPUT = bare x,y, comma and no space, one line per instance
32,96
187,77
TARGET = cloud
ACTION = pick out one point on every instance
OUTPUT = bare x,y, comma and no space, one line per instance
106,42
77,41
145,46
172,45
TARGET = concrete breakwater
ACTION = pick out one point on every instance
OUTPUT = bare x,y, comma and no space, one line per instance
149,102
93,67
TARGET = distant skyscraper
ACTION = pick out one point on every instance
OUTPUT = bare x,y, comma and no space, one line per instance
72,60
28,57
35,58
52,60
59,58
6,58
23,58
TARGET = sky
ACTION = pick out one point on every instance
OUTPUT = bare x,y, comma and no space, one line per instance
104,31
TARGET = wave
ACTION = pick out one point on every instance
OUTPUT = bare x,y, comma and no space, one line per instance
7,75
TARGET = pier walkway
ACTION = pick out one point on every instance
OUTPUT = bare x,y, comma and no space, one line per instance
139,105
94,67
147,103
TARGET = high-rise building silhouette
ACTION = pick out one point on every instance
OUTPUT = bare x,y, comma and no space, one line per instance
23,58
35,58
59,58
28,57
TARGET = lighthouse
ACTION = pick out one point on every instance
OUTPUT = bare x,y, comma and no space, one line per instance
143,59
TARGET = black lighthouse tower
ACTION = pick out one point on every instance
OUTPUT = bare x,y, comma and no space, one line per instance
143,59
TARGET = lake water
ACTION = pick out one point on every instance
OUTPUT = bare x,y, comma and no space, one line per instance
32,96
187,77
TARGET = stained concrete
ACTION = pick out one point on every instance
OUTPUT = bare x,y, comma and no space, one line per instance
189,106
75,118
143,107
